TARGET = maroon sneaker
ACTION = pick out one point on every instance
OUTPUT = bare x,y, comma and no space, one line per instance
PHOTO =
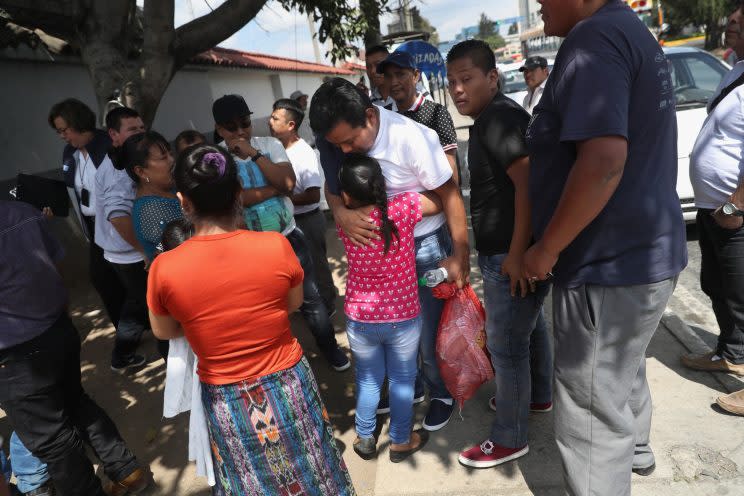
534,407
488,455
541,407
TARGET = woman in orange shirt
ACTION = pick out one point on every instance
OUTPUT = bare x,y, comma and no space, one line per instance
230,292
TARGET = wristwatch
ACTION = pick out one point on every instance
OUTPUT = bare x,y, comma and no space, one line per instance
257,155
729,208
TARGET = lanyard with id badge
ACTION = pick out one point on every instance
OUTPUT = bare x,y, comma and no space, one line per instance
84,192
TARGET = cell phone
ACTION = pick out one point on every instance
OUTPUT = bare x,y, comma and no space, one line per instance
85,197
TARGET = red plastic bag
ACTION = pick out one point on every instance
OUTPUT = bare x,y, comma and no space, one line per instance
461,342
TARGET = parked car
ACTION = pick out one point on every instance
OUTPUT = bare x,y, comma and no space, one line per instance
695,74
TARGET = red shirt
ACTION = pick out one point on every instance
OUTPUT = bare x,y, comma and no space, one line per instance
229,292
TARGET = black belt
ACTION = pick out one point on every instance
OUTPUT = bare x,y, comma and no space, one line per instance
307,214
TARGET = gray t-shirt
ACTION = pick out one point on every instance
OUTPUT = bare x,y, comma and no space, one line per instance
611,78
32,294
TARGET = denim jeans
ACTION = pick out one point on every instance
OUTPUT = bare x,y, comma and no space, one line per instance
510,324
133,319
313,309
313,225
104,278
380,348
430,250
30,472
42,395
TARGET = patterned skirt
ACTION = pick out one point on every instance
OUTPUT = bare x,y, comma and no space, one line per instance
272,436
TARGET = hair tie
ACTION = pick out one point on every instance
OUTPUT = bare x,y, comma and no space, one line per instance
216,160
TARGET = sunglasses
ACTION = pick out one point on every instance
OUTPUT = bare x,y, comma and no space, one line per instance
232,126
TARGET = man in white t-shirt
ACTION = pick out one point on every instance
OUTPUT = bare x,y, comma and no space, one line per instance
411,157
85,162
286,118
267,178
718,183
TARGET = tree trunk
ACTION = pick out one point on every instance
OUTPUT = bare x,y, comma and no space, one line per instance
158,64
369,10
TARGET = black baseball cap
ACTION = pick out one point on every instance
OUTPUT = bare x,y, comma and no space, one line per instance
403,60
533,63
229,107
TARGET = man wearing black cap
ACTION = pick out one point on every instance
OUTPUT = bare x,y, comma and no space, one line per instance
267,178
535,70
401,76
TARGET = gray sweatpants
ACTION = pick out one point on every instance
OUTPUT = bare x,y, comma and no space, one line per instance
602,401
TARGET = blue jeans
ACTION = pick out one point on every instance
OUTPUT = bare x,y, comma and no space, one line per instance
380,348
313,310
430,250
514,332
30,472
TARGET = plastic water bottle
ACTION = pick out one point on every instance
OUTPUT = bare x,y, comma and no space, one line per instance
434,277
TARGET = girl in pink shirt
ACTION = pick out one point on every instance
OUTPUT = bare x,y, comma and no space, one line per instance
382,306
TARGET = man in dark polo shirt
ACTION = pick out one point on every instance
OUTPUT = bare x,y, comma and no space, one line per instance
402,76
500,211
608,224
41,391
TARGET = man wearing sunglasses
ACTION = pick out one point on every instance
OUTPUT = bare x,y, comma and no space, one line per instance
267,178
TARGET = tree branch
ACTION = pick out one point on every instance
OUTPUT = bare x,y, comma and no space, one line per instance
53,17
208,30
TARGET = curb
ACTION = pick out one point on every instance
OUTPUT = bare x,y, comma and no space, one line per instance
695,345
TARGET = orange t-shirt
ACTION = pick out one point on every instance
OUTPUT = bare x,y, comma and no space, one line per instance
229,292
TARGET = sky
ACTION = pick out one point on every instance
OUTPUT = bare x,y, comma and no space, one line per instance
287,34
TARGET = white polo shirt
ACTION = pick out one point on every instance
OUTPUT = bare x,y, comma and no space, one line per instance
532,98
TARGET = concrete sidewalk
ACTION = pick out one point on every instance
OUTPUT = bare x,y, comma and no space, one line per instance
699,450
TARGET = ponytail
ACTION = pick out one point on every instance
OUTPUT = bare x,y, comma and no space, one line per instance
388,227
361,178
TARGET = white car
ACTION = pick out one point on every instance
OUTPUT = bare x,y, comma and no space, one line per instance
696,75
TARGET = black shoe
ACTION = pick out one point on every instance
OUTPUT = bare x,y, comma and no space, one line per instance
399,456
645,470
133,362
46,489
419,397
338,359
438,415
366,448
383,406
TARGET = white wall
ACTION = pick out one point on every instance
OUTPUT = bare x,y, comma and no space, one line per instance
27,92
28,89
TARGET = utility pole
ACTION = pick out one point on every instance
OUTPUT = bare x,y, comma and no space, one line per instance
314,37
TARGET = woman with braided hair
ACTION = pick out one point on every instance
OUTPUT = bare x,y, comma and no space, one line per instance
230,293
382,305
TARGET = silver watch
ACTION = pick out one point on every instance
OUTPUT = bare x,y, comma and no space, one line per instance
729,208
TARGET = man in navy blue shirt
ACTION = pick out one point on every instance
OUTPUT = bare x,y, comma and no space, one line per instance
40,365
609,229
